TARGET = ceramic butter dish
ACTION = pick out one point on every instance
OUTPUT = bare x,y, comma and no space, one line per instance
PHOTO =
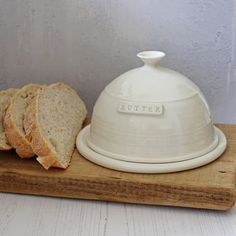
151,120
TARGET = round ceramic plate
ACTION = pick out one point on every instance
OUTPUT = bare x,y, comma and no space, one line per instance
135,167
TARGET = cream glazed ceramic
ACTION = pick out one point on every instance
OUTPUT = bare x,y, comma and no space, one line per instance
151,120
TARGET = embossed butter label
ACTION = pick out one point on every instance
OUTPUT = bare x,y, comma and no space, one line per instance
140,108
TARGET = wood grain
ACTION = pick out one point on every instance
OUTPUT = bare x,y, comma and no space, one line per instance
210,187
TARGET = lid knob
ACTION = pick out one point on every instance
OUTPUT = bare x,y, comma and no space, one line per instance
151,57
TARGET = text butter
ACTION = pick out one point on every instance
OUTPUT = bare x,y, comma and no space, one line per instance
140,108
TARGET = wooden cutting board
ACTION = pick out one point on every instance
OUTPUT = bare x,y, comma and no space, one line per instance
210,187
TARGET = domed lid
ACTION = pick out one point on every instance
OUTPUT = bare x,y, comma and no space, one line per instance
152,82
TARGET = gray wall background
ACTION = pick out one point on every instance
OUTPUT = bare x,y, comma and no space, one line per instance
89,43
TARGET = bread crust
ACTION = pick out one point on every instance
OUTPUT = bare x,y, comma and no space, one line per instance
10,92
13,134
46,156
15,139
5,147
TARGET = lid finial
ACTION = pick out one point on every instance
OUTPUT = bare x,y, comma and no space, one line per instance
151,57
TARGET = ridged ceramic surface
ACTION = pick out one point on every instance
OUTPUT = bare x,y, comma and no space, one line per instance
153,115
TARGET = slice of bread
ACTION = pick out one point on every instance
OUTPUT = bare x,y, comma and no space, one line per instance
13,120
5,96
52,122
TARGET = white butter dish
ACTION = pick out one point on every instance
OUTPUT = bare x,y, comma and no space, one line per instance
151,120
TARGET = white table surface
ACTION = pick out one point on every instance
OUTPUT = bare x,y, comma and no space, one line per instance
33,215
